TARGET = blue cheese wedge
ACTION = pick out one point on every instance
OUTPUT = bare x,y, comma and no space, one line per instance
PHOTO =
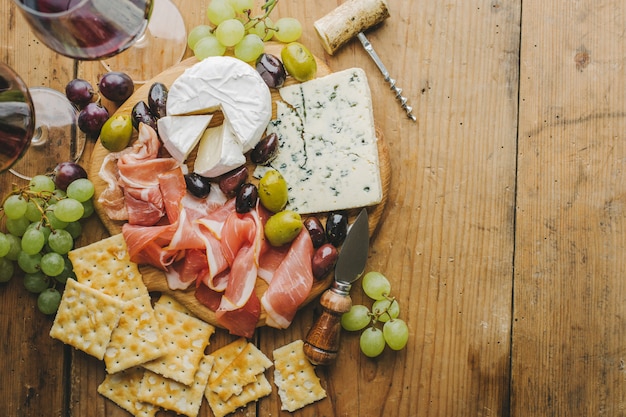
219,151
181,134
328,148
227,84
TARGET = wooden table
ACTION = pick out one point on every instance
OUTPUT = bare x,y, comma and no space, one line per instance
503,236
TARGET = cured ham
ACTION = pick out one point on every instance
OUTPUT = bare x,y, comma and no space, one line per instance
204,245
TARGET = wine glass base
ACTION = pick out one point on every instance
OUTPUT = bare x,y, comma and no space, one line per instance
161,46
57,137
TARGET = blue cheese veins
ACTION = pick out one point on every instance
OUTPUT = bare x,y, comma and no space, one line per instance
328,152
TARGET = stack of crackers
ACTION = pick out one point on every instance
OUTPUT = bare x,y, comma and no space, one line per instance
155,353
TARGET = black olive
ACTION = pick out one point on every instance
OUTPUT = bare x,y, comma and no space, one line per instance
246,198
142,114
198,185
271,70
316,231
157,99
336,227
265,150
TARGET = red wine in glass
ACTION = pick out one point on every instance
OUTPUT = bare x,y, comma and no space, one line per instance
87,29
17,117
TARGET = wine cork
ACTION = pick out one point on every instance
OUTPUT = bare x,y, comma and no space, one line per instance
347,20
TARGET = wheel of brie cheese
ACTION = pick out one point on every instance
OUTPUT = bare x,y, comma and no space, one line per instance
219,83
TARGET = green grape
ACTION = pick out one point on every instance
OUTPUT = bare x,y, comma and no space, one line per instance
60,241
356,318
197,33
17,227
288,29
69,210
376,285
5,245
40,183
219,11
74,229
49,300
88,208
36,282
57,195
208,46
33,209
372,342
33,241
230,32
67,273
52,264
29,263
6,269
263,29
54,222
386,309
80,190
396,334
250,48
15,247
15,206
240,6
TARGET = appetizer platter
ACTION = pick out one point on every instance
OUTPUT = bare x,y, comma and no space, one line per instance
192,157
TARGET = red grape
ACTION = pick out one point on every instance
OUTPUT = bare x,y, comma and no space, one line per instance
116,86
66,172
91,118
79,91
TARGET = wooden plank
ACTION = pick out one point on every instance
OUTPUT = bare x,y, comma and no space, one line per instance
33,372
568,354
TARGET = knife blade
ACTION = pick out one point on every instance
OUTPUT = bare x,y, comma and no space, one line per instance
322,342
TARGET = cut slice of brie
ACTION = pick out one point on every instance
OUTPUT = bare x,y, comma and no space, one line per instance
219,151
180,134
228,84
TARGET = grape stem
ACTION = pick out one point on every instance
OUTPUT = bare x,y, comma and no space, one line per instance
376,315
253,21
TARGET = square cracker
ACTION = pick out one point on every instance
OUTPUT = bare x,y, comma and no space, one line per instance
106,266
251,392
224,356
295,377
185,338
242,371
86,318
136,339
171,395
123,387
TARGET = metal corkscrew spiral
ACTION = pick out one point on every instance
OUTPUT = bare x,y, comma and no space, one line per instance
397,91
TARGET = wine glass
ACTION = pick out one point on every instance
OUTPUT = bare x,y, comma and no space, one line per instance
39,120
151,32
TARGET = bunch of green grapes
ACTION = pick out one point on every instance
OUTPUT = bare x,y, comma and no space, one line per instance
42,222
385,310
233,27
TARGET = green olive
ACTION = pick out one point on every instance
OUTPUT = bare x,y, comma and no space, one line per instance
283,227
273,191
116,132
298,61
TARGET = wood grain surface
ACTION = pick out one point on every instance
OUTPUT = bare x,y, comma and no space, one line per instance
503,234
154,278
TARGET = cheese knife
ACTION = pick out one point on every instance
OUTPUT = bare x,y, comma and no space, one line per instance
322,341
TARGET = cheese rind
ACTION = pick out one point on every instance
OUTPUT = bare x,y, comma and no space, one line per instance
219,151
228,84
328,148
181,134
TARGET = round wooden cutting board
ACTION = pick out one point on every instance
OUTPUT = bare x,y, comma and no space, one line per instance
155,279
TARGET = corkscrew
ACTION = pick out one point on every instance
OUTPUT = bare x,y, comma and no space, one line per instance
351,19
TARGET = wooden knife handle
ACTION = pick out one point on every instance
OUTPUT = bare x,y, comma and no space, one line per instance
322,341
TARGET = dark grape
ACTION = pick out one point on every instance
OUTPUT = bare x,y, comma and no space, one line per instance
336,227
198,185
157,99
265,150
271,70
116,86
66,172
80,92
92,118
142,114
246,198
